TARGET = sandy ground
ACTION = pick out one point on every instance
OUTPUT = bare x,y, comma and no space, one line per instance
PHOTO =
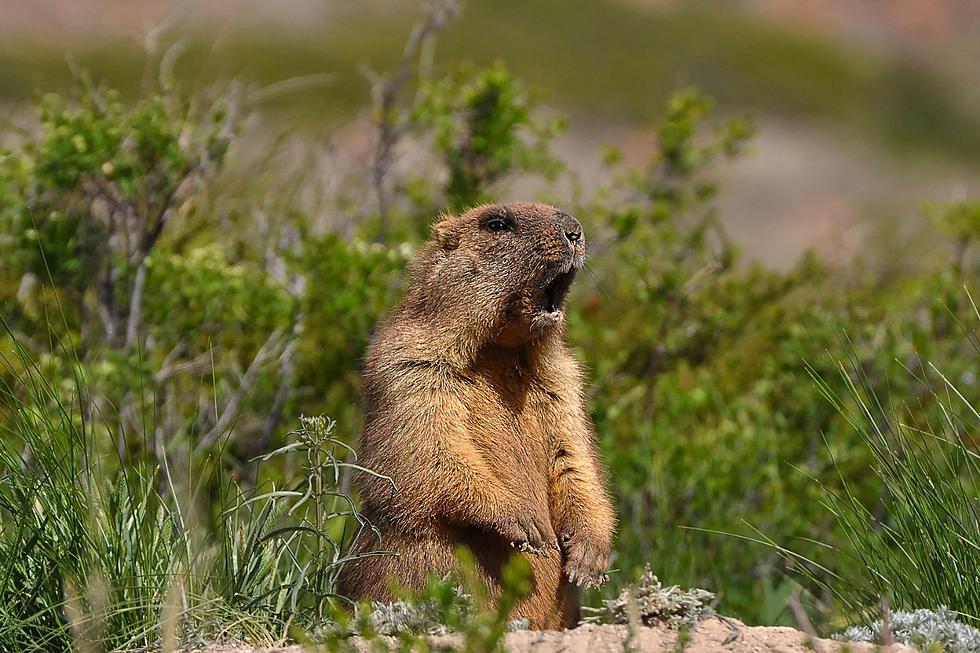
710,636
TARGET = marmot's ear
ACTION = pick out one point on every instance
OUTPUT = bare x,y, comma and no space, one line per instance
445,234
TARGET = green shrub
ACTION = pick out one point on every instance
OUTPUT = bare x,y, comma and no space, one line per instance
707,421
484,126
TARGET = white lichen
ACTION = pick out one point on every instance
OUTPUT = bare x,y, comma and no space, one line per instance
652,603
922,629
422,616
401,616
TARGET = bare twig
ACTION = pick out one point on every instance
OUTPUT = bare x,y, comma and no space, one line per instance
169,370
169,60
105,293
384,91
152,41
23,339
734,632
793,600
886,635
155,230
270,350
135,306
144,248
291,85
167,424
287,375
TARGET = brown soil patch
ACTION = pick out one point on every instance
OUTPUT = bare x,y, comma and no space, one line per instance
711,636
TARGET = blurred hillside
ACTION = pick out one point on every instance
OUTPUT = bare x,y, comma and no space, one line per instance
864,108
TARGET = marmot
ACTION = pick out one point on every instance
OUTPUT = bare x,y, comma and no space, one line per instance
475,409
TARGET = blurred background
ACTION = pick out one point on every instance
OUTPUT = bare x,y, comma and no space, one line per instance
864,108
205,208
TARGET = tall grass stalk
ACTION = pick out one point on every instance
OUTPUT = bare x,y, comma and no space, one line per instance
100,552
920,546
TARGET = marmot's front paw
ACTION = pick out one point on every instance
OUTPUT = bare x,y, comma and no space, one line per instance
586,560
529,532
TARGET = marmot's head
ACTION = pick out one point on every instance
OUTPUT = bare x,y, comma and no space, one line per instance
504,269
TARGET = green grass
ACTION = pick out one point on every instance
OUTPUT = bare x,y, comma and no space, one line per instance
83,556
102,552
919,547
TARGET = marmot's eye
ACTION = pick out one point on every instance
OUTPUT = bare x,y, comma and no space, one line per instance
497,224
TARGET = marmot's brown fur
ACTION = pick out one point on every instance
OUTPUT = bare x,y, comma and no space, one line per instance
475,409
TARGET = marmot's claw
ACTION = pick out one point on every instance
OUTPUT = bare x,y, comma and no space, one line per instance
524,547
587,582
586,561
528,532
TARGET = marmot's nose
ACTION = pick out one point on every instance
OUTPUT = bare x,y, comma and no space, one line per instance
571,227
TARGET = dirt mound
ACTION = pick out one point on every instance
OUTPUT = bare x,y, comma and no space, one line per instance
710,635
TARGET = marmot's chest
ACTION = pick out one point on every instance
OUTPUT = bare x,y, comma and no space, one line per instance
513,418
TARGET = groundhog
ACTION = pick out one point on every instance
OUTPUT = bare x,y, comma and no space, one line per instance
475,409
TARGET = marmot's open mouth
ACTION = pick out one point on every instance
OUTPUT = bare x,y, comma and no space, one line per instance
554,293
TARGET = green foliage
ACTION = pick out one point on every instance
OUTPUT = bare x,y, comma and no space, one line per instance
349,285
286,546
485,126
201,298
196,313
100,168
698,393
102,214
477,127
77,552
